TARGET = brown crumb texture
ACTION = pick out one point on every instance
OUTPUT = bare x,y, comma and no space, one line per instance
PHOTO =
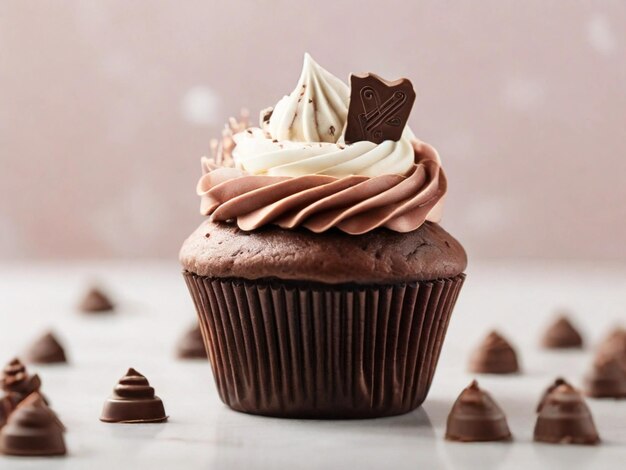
381,256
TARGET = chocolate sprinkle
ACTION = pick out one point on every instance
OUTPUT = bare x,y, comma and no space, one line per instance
565,419
476,417
378,109
562,334
494,355
133,401
45,350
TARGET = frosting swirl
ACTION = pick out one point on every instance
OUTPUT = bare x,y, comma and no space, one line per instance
296,170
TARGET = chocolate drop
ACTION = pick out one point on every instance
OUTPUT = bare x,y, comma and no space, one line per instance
133,401
607,378
32,430
494,355
558,381
191,345
96,301
15,379
476,417
565,419
46,350
562,334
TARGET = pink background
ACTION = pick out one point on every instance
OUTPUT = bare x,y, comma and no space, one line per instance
106,108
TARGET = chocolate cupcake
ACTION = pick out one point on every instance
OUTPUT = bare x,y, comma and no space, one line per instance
322,280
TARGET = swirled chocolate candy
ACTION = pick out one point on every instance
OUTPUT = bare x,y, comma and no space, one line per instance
15,379
562,334
607,378
133,401
32,430
8,403
476,417
494,355
191,345
95,301
614,345
565,419
45,350
558,381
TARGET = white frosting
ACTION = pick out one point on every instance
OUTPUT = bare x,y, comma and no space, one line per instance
299,138
315,111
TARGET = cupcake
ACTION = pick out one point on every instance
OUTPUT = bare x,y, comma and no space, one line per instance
322,280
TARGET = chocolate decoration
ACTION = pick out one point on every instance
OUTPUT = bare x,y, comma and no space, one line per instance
494,355
476,417
562,334
8,403
96,301
15,379
133,401
558,381
565,419
46,350
607,378
191,345
379,109
32,430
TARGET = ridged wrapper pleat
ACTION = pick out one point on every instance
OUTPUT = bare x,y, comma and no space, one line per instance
301,350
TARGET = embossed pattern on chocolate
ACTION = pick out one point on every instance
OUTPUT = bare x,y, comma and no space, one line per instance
379,109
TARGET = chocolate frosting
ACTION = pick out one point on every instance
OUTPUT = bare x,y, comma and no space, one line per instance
381,256
476,417
353,204
494,355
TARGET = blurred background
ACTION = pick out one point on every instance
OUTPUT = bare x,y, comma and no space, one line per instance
107,106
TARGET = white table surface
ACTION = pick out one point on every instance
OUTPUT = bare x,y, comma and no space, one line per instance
155,309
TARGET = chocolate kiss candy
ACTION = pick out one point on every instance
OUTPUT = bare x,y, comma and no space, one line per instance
15,379
191,345
95,301
558,381
46,350
476,417
565,419
32,430
378,109
494,356
133,401
607,378
562,334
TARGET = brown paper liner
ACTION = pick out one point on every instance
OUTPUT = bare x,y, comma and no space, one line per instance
300,350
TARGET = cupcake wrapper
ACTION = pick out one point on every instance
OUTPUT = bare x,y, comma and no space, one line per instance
300,350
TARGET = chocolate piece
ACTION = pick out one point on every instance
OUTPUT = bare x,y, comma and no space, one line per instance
565,419
8,403
476,417
379,109
32,430
562,334
133,401
96,301
558,381
607,378
614,345
46,350
15,379
191,345
494,355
